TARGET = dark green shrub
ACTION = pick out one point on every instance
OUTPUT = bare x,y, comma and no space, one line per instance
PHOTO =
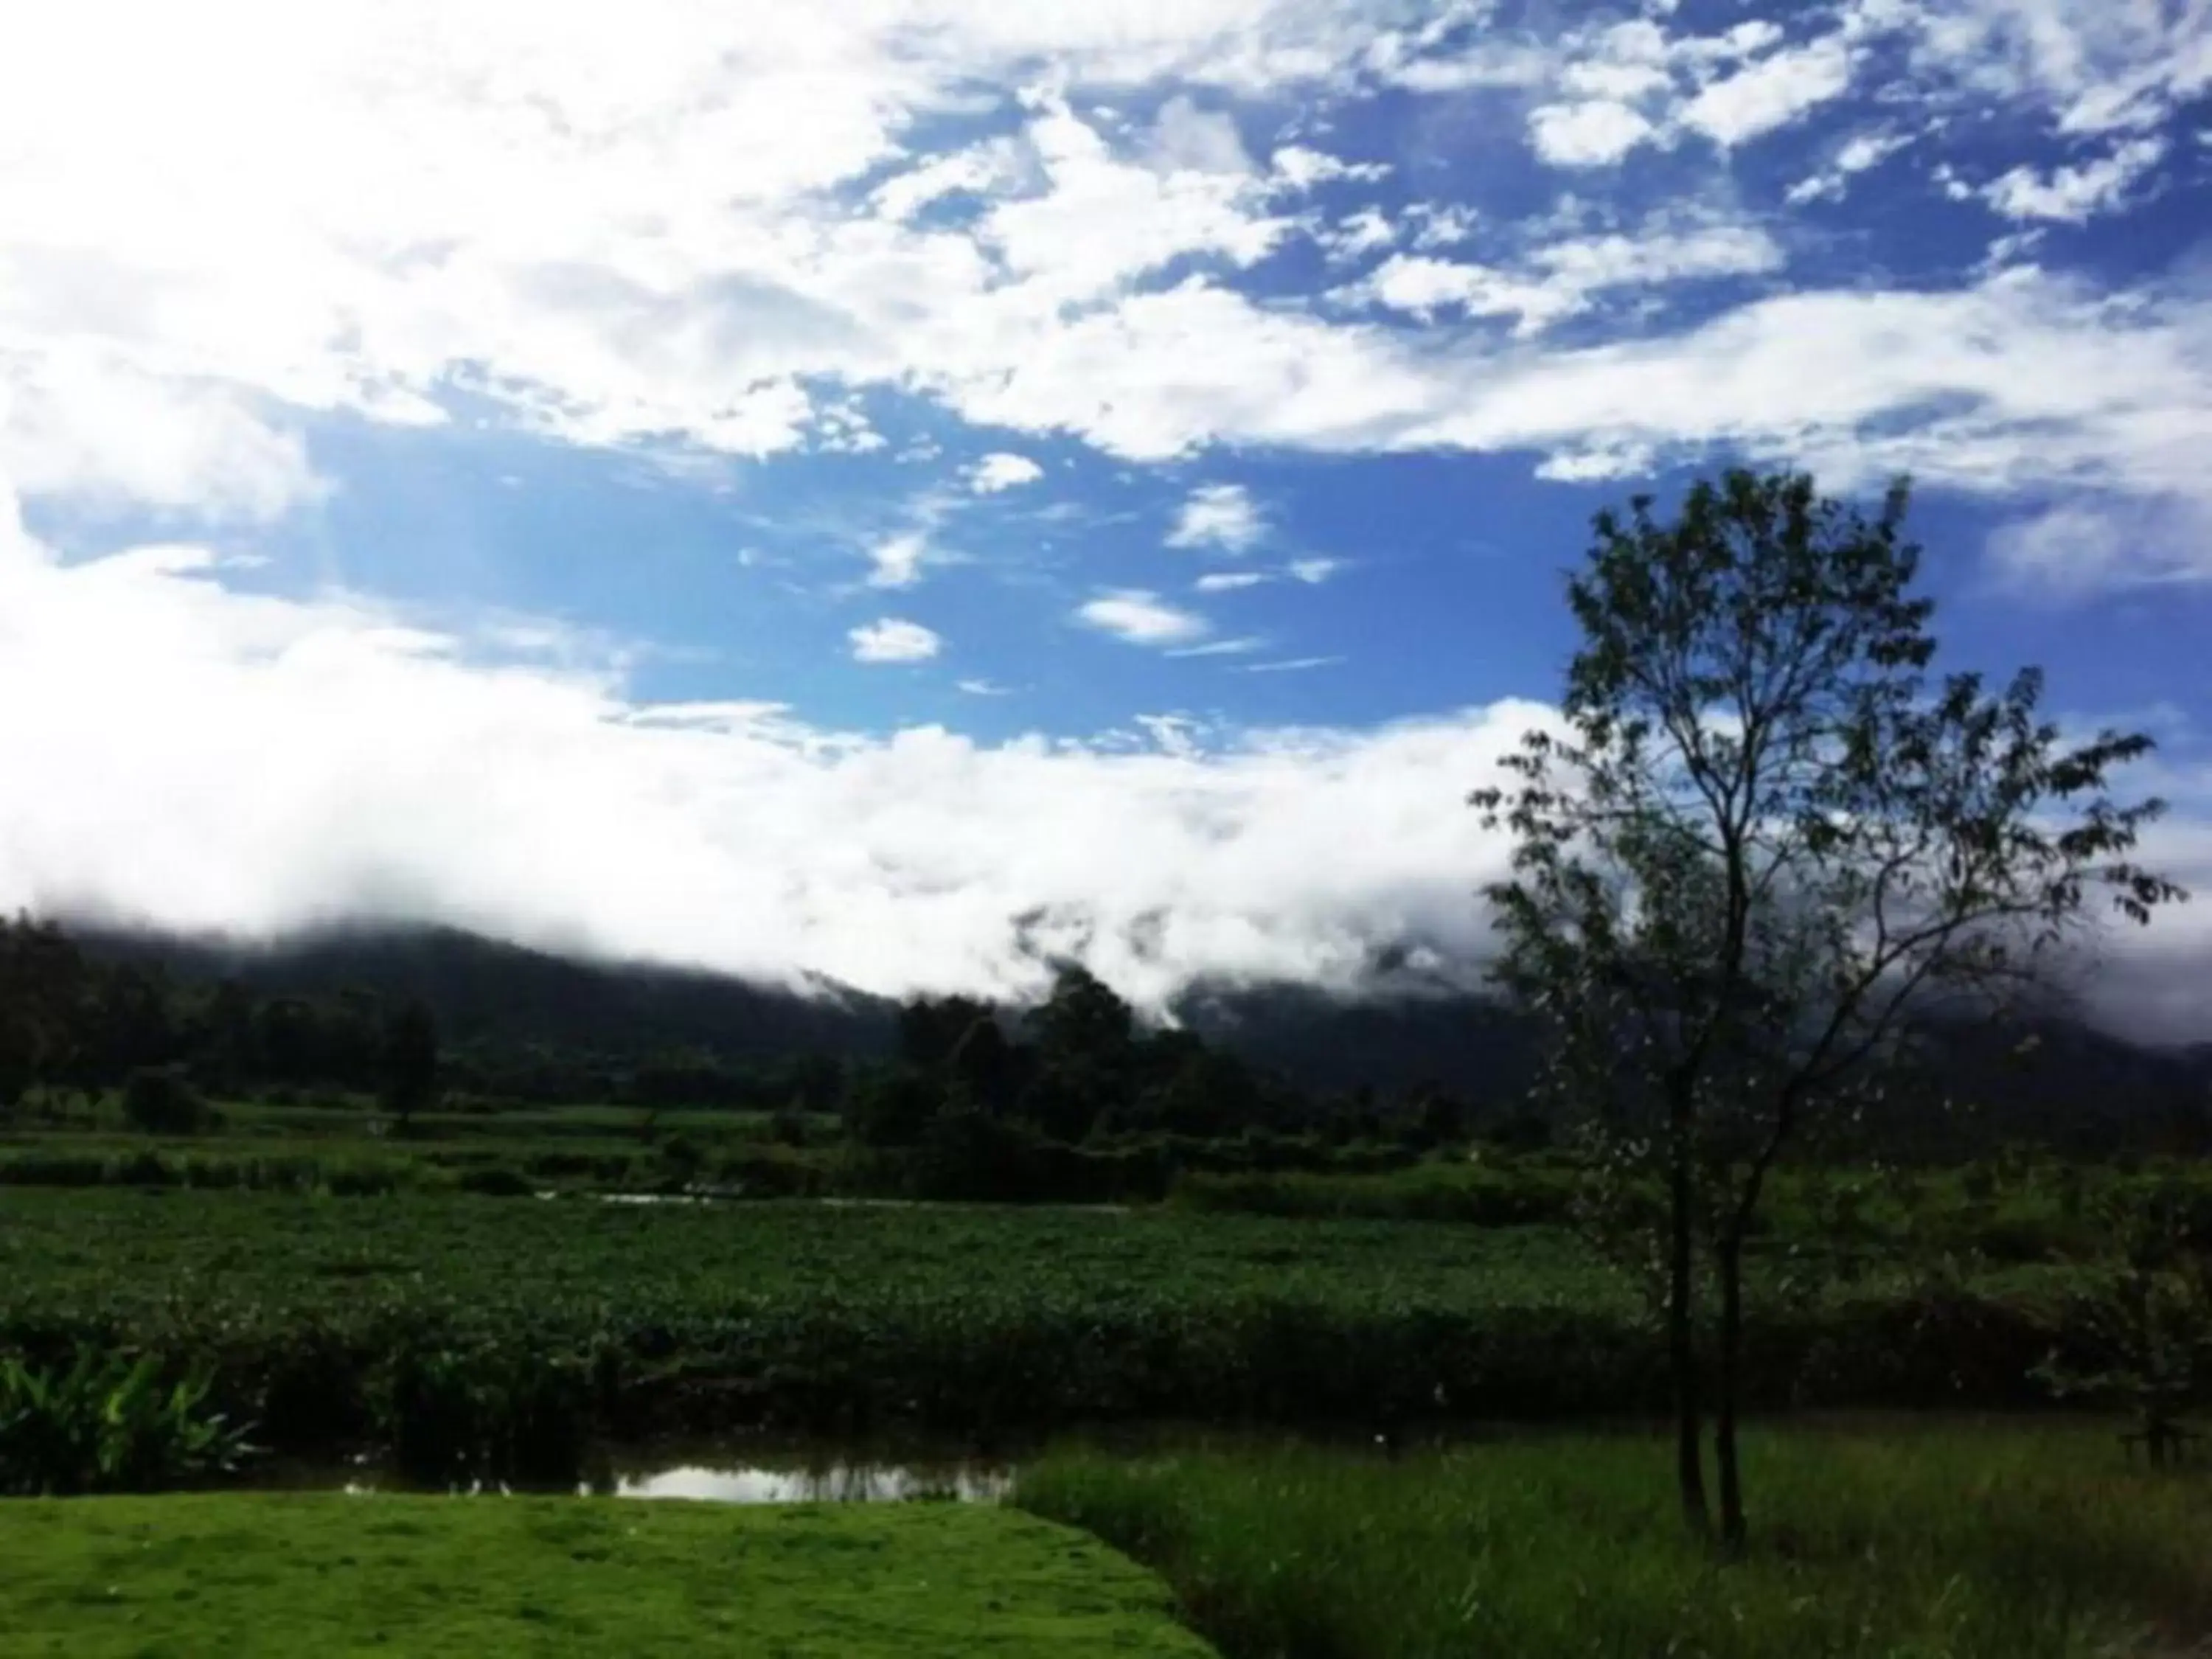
497,1182
487,1412
159,1100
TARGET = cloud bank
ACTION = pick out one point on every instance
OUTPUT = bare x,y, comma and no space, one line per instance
207,758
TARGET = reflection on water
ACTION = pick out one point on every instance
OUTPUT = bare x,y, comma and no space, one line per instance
711,1476
834,1483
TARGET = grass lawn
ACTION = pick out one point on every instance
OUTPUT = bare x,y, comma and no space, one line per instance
1903,1542
241,1575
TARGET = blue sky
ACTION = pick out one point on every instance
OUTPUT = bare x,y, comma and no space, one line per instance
868,488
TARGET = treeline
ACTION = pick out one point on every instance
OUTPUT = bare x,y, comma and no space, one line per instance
70,1022
1079,1066
507,1026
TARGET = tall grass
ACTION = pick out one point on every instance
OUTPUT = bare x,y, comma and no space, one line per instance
1960,1544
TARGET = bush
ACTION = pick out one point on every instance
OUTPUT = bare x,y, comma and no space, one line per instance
497,1182
108,1423
159,1100
487,1412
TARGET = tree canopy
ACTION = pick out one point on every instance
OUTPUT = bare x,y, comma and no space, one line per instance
1763,840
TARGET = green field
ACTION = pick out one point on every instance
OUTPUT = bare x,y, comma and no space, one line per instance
1959,1543
264,1576
336,1320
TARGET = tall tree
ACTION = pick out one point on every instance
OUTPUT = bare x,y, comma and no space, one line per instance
44,989
410,1063
1762,840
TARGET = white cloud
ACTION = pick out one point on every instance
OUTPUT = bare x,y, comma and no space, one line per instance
1293,665
893,640
1489,65
2093,65
1771,92
1561,279
898,560
1002,471
2091,544
1861,152
1186,138
1440,224
1422,285
78,423
1596,133
983,688
600,226
1222,516
1314,572
1228,582
1865,150
1358,234
1302,169
1141,617
2074,195
543,804
601,232
1241,646
546,807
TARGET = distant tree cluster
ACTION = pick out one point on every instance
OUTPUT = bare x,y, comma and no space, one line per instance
1079,1066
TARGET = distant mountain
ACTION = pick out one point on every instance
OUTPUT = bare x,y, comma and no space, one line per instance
2050,1078
485,992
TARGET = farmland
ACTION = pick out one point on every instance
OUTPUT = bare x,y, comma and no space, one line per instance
444,1326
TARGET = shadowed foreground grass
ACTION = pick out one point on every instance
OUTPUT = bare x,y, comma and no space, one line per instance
1953,1544
252,1574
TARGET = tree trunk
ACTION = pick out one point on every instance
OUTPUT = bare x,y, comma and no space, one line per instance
1681,1331
1729,1254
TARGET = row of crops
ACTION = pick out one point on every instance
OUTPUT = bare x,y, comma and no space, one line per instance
475,1333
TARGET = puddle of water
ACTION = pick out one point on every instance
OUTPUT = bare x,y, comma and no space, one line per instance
707,1478
839,1483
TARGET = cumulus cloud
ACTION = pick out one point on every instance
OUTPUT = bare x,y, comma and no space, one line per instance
1300,167
1228,582
599,226
1772,92
2073,195
1222,516
2022,382
208,758
1561,279
892,639
1138,616
898,560
1002,471
1861,152
1596,133
2093,67
599,232
2100,544
212,758
1187,138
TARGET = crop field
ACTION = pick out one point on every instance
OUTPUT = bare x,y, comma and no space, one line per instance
475,1319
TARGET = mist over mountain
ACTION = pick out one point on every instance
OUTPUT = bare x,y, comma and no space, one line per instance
1418,1027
